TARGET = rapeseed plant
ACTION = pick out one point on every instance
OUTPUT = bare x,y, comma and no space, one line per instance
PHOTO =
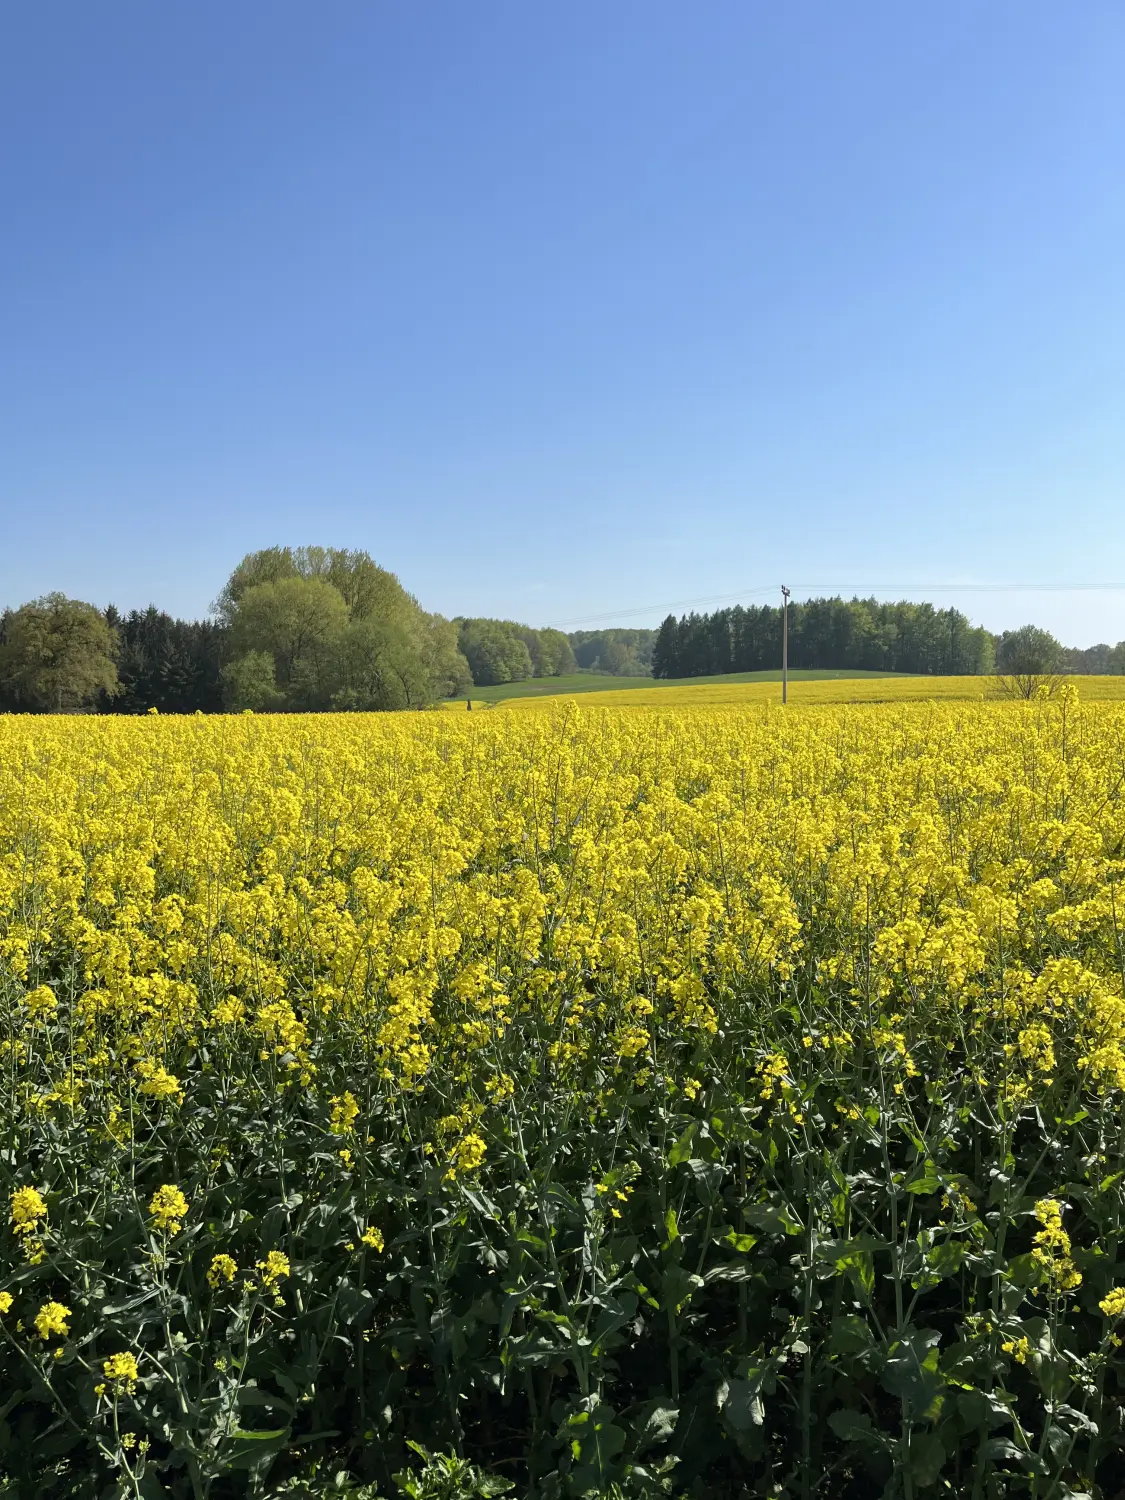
737,1093
52,1319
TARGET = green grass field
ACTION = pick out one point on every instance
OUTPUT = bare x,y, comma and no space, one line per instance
600,682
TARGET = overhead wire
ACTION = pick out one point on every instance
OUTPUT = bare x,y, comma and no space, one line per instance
761,590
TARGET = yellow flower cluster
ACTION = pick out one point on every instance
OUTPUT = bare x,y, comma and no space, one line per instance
434,881
52,1319
168,1208
222,1271
1052,1247
27,1209
121,1370
273,1268
344,1112
28,1213
466,1156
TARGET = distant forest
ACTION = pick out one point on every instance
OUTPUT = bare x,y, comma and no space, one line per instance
861,635
824,633
316,628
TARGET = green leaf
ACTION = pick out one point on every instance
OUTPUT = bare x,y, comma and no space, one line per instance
681,1151
735,1270
743,1243
659,1425
853,1259
911,1373
927,1457
678,1286
596,1441
946,1259
1000,1448
741,1404
927,1181
773,1218
982,1408
850,1335
856,1427
1025,1271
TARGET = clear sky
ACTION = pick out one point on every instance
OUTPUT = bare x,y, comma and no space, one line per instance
567,309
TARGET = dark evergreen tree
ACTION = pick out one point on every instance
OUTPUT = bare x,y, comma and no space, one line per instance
824,634
167,664
665,649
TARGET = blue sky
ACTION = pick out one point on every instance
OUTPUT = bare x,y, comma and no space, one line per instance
567,311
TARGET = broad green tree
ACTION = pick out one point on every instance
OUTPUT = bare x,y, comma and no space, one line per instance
506,651
387,661
494,652
366,588
300,623
339,631
271,565
448,670
249,681
1028,659
620,661
591,649
554,656
56,656
380,665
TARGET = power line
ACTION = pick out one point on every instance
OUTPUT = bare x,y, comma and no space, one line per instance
984,588
643,609
851,588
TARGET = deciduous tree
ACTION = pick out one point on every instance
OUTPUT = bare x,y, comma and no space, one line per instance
56,655
339,632
494,652
300,623
1028,659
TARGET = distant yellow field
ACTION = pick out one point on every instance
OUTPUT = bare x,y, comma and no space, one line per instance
840,690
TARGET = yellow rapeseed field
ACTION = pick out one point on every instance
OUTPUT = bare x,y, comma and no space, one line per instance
802,692
698,1100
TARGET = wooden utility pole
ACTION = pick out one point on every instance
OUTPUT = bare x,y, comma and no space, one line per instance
784,644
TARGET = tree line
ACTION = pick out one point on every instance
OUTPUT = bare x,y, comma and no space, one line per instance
316,628
862,635
621,653
500,651
305,628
